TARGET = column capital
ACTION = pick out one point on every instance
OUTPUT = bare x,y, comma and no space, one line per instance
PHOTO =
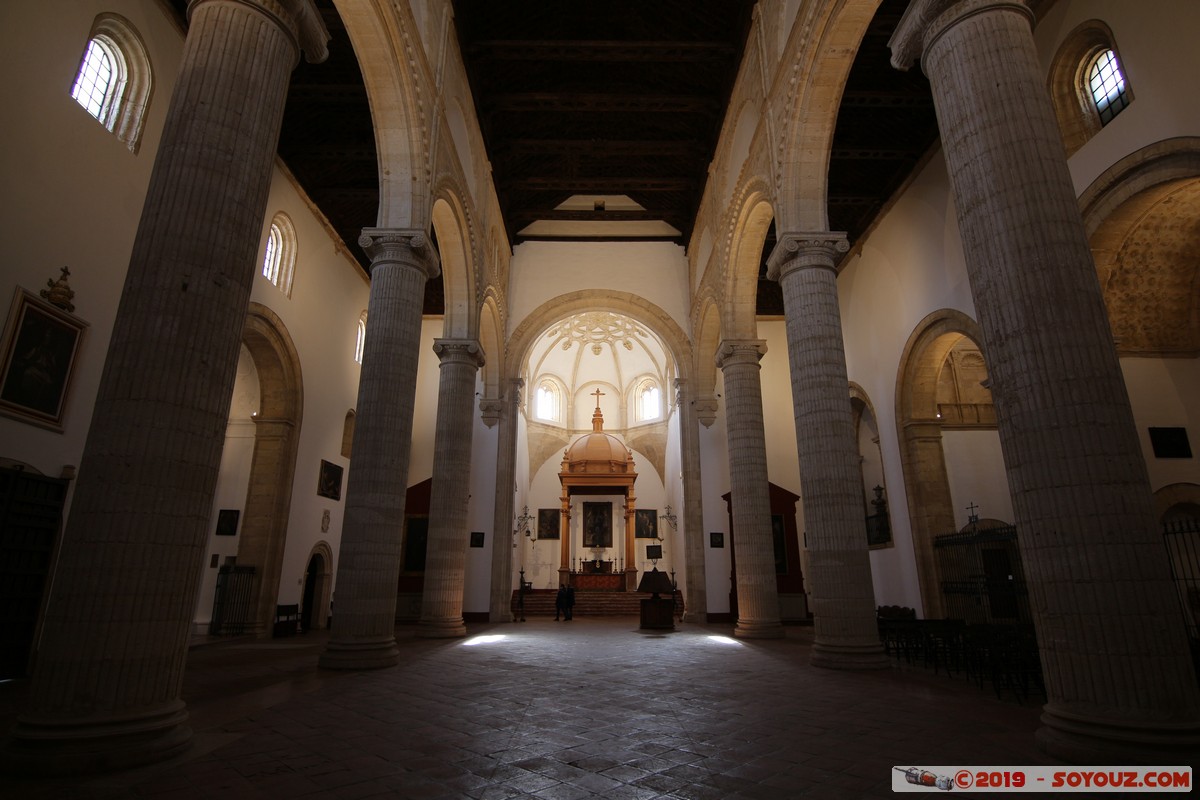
490,410
740,351
706,410
819,249
459,351
410,248
925,20
300,19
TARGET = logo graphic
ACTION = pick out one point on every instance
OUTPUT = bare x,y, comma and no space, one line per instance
922,777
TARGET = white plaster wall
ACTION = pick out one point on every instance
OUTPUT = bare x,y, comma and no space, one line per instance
541,271
714,459
910,265
1156,43
1162,392
975,467
779,415
73,193
329,293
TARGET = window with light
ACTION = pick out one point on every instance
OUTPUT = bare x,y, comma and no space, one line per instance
362,338
649,401
547,402
114,80
1107,84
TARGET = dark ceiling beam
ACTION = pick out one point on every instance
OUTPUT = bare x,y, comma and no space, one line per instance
599,102
336,93
583,50
873,154
600,185
603,147
525,217
885,99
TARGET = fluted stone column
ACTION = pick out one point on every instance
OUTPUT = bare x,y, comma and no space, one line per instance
750,495
845,631
273,465
445,561
105,691
696,601
368,564
500,607
1119,678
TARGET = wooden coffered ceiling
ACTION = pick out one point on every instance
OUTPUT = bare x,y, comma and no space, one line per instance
600,121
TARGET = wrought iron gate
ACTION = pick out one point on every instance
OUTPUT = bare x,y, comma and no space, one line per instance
982,578
231,603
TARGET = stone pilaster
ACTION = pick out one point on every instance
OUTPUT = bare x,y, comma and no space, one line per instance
445,562
105,691
694,547
1118,674
757,592
500,608
846,634
364,606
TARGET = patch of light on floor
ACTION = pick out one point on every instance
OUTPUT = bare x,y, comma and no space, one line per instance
495,637
724,640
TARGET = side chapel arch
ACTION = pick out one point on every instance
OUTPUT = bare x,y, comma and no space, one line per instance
930,506
273,465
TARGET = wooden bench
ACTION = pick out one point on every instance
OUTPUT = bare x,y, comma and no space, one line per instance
287,620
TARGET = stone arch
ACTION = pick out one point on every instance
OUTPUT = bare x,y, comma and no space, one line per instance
385,43
317,587
491,339
1143,220
820,66
922,459
273,465
458,267
747,235
631,305
1174,496
708,339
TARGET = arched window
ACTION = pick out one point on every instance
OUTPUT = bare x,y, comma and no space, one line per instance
649,401
348,434
114,79
547,405
362,338
1088,86
1108,86
279,258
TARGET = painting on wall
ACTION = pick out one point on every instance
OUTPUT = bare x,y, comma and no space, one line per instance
329,482
597,524
716,539
646,523
41,343
227,521
548,521
476,538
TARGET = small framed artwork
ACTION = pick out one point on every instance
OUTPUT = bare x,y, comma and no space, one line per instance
654,551
548,520
716,539
476,538
646,523
227,521
329,483
41,343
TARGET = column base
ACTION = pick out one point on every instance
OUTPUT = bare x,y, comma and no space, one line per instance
1080,739
64,747
695,617
752,629
868,656
360,653
441,628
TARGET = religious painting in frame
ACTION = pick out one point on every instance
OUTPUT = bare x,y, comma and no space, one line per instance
646,523
716,539
597,524
329,482
41,343
476,538
548,523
